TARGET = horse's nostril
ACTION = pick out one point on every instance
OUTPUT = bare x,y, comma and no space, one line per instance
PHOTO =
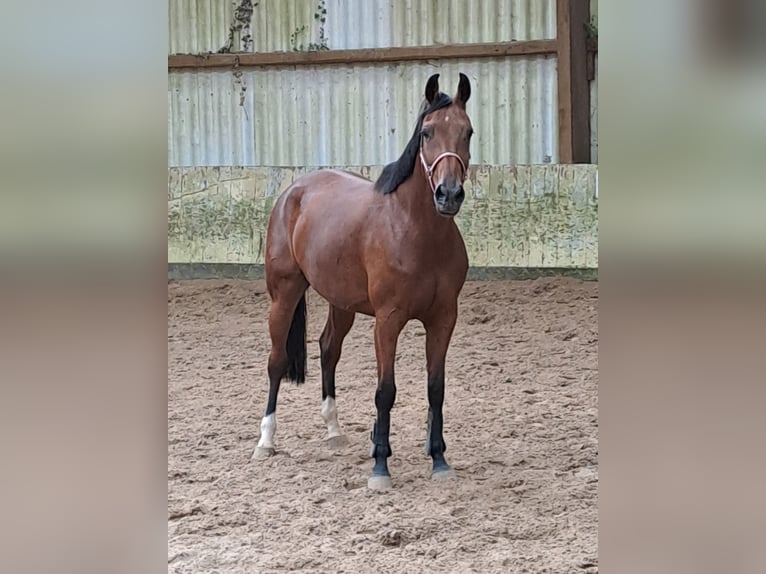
440,195
460,195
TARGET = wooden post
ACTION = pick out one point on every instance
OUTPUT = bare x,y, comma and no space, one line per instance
573,90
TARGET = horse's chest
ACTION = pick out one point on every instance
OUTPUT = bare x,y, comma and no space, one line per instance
419,283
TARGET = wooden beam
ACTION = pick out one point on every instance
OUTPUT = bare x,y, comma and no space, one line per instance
573,89
373,55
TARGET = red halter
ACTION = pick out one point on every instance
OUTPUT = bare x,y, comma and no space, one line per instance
429,169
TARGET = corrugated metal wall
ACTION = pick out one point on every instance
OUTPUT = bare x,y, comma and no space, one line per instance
198,26
343,115
385,23
355,115
201,26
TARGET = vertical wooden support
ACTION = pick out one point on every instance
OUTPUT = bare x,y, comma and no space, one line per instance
573,91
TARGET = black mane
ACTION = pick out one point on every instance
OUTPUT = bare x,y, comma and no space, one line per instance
396,173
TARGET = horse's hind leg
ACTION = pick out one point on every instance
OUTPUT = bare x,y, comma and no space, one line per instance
338,325
287,317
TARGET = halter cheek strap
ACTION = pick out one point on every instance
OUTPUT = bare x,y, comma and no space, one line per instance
429,169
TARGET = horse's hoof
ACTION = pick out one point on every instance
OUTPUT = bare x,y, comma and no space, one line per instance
262,452
379,482
443,474
337,442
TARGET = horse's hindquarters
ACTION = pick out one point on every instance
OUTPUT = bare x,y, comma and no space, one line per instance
327,231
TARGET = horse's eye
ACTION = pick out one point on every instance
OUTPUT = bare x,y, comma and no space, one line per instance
427,134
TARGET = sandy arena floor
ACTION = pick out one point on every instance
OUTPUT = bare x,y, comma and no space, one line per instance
520,424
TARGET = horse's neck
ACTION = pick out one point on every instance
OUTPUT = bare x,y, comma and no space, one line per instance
415,198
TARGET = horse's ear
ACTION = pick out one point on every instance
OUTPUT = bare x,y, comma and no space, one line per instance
463,90
432,88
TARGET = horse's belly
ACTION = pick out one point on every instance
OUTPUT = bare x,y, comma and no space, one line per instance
334,271
347,291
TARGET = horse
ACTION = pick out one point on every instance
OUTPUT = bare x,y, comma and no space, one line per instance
389,249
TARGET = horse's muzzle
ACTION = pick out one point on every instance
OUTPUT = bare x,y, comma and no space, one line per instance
448,199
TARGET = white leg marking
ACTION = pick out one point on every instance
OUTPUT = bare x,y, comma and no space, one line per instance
268,428
330,416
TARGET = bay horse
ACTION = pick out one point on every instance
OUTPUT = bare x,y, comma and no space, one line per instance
389,249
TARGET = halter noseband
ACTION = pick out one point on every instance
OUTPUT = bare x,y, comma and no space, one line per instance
429,169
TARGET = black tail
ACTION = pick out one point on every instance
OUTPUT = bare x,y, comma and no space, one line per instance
296,344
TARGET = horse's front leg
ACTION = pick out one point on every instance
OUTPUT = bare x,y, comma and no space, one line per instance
388,325
438,335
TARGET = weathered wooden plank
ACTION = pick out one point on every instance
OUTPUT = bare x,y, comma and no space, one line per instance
369,55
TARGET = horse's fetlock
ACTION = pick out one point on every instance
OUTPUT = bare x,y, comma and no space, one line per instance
381,451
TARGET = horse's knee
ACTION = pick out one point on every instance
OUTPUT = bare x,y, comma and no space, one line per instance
385,396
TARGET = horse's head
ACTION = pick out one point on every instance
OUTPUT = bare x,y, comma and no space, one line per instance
445,138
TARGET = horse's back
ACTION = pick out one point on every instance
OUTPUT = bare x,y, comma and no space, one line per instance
334,181
326,187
